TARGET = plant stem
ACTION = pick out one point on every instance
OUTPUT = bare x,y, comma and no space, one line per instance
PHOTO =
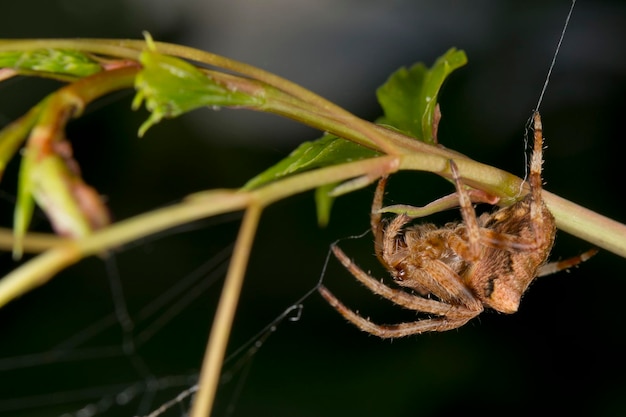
587,225
597,229
284,98
224,315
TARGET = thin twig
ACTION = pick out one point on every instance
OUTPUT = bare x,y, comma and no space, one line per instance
224,316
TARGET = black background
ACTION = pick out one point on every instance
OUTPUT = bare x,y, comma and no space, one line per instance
562,351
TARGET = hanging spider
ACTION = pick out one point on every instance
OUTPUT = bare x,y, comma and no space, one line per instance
486,261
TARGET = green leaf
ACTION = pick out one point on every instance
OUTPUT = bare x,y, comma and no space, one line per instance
409,96
73,208
408,100
55,61
171,87
325,151
62,195
12,136
24,205
324,203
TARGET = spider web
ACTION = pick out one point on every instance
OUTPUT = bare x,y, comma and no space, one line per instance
65,352
126,339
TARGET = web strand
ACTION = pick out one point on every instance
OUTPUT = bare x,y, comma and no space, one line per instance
556,53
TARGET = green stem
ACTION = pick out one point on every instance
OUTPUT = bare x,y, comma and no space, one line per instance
130,49
70,100
290,100
587,225
224,315
95,86
597,229
96,46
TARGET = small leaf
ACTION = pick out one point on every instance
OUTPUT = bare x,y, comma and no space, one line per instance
325,151
74,208
324,203
409,97
12,135
409,100
171,87
55,61
24,205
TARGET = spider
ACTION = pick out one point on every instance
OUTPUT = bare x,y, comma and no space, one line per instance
486,261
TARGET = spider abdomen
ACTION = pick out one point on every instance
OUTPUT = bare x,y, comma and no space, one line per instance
501,276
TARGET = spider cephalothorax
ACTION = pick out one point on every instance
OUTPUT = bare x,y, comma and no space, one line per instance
485,261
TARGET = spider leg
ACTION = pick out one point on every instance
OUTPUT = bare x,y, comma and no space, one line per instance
556,266
537,212
494,240
536,161
376,220
447,285
438,324
541,219
390,254
406,213
469,215
377,203
507,242
477,235
384,238
400,297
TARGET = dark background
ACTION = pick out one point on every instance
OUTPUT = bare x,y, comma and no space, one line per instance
562,351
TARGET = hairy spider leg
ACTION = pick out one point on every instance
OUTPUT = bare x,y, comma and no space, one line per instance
536,161
472,248
376,220
479,235
556,266
397,296
385,331
438,278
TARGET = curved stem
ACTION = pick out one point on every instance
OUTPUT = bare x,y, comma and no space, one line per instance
130,49
96,46
287,99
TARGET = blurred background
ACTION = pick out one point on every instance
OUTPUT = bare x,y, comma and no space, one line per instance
562,351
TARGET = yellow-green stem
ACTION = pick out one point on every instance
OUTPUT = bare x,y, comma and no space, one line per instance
224,315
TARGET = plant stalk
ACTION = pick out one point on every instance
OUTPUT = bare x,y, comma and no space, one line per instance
224,315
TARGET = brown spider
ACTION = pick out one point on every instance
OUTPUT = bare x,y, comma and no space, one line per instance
486,261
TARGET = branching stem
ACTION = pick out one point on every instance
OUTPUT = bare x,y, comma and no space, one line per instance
281,97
